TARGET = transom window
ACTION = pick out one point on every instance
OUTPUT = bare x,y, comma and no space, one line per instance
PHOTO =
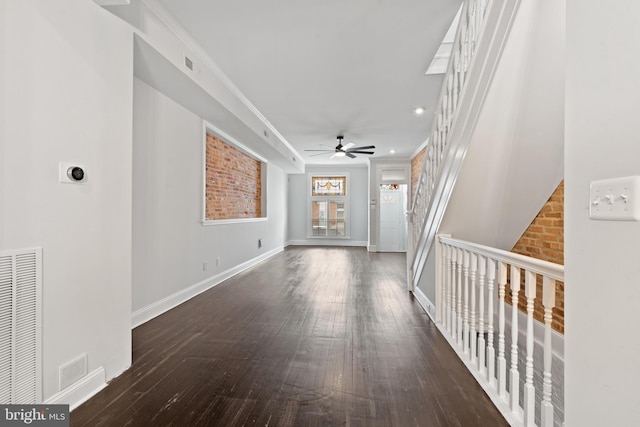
329,186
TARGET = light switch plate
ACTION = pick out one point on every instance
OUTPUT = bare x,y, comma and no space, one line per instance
615,199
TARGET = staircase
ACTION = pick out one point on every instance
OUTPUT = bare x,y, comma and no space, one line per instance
482,33
494,156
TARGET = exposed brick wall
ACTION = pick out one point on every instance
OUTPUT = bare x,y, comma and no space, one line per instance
544,239
234,182
416,168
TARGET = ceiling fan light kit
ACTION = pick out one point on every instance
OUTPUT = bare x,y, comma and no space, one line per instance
347,150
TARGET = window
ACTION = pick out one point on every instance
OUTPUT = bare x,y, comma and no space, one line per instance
328,206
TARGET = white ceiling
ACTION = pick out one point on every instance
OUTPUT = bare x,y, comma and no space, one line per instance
316,69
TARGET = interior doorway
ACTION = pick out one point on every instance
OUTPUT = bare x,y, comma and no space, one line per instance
393,221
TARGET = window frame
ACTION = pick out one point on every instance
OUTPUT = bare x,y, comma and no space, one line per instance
209,129
328,198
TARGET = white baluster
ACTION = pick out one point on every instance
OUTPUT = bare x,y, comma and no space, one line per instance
502,361
459,294
491,353
514,375
482,269
549,301
472,318
448,296
472,29
465,317
455,90
529,390
439,279
454,295
463,48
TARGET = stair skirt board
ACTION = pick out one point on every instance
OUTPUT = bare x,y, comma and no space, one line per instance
155,309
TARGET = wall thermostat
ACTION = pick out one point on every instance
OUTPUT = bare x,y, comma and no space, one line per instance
72,173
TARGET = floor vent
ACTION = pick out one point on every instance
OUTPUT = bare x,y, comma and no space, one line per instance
20,326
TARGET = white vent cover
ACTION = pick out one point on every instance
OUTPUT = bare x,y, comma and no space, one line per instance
20,326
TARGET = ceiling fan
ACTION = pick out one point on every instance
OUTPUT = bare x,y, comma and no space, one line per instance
344,150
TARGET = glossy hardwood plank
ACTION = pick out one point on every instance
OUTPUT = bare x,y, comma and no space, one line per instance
311,337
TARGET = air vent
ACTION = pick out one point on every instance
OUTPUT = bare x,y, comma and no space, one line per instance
20,326
188,63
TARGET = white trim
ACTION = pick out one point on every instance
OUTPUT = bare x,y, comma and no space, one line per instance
80,391
327,242
229,139
208,222
147,313
372,248
424,302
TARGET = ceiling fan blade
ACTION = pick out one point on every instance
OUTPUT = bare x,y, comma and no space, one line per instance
348,154
326,151
359,152
367,147
347,146
317,154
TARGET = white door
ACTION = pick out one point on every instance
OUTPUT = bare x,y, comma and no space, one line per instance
392,220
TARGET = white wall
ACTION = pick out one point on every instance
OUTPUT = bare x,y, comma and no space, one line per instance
66,95
601,258
298,208
170,244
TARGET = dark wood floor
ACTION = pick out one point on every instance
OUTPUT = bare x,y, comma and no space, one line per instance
311,337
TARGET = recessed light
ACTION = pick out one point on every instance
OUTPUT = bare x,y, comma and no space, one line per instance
419,110
392,151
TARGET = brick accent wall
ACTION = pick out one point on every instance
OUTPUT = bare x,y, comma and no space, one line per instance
416,168
544,239
234,182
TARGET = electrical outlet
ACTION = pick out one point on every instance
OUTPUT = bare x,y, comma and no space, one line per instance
217,261
204,266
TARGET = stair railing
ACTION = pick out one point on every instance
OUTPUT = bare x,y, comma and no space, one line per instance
474,286
482,34
463,50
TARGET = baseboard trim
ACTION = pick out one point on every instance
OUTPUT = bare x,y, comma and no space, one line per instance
327,242
424,302
155,309
80,391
